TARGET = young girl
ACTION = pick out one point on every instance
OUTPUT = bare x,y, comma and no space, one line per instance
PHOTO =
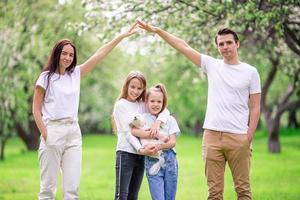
129,161
55,108
162,185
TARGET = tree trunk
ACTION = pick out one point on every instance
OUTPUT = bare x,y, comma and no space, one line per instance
273,142
31,137
3,142
293,122
198,128
2,149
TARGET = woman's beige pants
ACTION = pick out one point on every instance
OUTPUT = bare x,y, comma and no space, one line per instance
60,151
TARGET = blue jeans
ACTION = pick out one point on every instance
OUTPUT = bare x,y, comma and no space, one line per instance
163,186
129,175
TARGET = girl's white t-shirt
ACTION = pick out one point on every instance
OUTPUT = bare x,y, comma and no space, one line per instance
123,113
62,95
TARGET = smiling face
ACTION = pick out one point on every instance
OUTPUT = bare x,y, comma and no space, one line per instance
135,89
227,46
66,57
155,102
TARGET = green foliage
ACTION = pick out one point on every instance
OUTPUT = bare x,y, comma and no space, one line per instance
29,29
266,30
270,176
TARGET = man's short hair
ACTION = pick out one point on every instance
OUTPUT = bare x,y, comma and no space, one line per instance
226,31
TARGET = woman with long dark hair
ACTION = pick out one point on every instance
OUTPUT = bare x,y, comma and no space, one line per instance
55,108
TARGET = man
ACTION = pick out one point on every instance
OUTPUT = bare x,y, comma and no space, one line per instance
234,88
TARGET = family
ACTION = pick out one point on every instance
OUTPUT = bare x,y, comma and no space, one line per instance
146,131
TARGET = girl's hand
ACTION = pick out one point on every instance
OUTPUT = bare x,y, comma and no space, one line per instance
154,129
146,26
148,151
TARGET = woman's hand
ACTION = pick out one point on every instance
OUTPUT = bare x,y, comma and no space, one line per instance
146,26
130,31
44,135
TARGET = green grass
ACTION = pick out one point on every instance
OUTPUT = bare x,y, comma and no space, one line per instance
273,176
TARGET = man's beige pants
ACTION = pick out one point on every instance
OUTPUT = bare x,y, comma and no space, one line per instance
60,151
219,148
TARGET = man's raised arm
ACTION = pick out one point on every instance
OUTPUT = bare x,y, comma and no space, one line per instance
176,42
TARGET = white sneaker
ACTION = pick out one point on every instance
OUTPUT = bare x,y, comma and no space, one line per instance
156,166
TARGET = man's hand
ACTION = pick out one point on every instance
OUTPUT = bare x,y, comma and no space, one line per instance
145,26
250,137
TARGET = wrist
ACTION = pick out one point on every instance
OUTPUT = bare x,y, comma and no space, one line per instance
141,150
159,147
156,30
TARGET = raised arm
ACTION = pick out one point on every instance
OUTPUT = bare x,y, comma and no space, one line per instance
176,42
103,51
38,99
254,114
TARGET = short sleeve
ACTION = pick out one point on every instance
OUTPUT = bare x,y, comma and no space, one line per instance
207,62
164,115
173,128
77,72
255,83
121,117
42,80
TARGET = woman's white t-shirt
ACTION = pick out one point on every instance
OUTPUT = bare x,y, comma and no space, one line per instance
62,95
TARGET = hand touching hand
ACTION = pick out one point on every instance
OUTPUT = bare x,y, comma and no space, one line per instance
130,31
146,26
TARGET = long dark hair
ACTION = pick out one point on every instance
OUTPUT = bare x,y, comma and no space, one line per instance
53,60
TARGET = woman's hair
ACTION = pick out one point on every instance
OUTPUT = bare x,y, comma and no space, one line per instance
53,60
159,88
138,75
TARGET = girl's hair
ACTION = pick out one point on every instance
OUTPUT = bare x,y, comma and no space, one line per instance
138,75
53,60
124,92
159,88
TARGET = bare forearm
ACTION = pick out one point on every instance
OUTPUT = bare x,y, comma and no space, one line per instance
39,122
176,42
253,121
169,144
99,55
140,133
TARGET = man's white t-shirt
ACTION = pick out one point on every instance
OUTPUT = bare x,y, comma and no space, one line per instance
229,89
62,95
